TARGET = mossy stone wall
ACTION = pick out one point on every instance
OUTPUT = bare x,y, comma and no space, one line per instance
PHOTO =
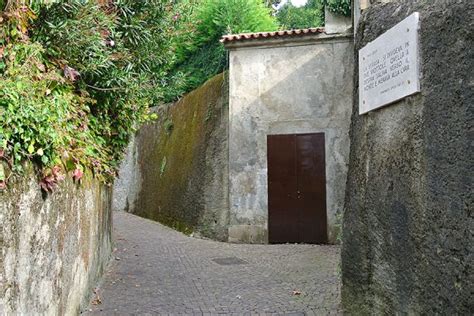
182,162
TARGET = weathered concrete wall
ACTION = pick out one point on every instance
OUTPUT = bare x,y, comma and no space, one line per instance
55,247
1,263
286,88
408,221
336,23
176,172
128,183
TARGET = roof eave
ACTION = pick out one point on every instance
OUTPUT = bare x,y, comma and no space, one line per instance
283,40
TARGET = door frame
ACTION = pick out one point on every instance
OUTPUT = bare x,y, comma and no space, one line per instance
326,223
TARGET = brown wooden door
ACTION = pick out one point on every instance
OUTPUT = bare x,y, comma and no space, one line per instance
297,188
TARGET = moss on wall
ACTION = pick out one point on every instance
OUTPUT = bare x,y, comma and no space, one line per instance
181,158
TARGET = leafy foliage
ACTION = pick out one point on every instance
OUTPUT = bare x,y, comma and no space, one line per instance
339,6
69,96
309,15
77,77
42,118
199,26
78,35
219,17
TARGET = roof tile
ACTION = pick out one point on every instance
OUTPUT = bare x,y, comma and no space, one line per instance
261,35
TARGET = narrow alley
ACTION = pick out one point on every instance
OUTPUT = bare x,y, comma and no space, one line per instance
157,271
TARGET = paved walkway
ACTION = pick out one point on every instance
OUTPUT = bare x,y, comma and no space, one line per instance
159,271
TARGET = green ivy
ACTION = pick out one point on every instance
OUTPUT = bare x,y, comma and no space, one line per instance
72,89
42,118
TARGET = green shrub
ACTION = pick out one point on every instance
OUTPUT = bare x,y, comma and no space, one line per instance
72,88
42,119
339,6
219,17
309,15
77,34
77,77
127,52
199,26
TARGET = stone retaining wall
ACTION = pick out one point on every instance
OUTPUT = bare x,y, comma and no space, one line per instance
55,246
407,232
176,168
1,263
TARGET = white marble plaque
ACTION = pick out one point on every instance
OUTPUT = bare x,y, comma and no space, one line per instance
389,66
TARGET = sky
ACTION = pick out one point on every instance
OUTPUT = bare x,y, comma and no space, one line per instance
296,3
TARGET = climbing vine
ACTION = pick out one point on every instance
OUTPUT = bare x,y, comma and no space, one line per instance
70,95
78,77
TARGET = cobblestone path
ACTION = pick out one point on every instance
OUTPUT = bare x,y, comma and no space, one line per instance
158,271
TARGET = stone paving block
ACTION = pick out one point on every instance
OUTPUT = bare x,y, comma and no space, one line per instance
176,275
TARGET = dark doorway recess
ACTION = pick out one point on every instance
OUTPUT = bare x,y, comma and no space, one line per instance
297,188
